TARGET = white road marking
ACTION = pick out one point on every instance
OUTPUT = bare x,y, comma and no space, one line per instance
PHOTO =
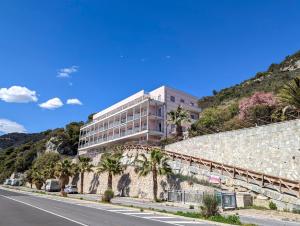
183,222
104,208
159,217
120,210
138,213
47,211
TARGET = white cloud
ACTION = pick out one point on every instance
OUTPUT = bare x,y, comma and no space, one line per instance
18,94
74,101
7,126
66,72
52,103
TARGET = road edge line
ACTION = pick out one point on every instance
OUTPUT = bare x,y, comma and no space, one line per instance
47,211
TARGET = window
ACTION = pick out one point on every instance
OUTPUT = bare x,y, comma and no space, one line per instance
159,97
172,98
159,113
192,116
192,104
181,100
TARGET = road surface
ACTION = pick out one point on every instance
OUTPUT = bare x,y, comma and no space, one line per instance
31,210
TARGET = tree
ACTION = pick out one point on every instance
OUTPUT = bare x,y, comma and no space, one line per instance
29,177
38,178
156,163
110,163
177,117
290,93
84,165
210,206
46,164
63,170
258,98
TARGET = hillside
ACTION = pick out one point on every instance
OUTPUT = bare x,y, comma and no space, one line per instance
18,151
268,81
17,139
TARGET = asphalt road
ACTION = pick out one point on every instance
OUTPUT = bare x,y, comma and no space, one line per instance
29,210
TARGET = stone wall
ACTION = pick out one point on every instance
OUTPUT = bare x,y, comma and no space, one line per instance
273,149
130,184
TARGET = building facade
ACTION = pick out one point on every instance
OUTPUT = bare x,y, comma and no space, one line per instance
139,119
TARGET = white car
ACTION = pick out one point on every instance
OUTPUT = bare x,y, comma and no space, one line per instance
52,185
16,182
71,189
7,182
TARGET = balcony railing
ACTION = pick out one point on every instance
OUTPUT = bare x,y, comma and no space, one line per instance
109,138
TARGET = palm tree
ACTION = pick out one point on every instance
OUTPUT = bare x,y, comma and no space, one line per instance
38,178
111,163
290,93
177,117
63,170
156,163
84,165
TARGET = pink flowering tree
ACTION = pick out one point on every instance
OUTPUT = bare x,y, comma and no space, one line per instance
258,98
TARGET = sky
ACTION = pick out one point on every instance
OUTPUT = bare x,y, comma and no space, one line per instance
62,60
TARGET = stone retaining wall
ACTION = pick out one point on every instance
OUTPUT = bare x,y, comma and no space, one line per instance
273,149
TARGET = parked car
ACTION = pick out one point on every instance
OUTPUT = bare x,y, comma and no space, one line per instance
7,182
52,185
71,189
16,182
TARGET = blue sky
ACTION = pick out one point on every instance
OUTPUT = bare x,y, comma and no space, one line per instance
98,52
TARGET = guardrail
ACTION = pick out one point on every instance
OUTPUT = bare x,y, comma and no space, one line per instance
279,184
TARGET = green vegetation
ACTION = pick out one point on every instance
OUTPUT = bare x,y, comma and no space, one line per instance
272,206
63,170
177,117
210,206
290,93
22,149
193,180
271,80
270,96
231,219
156,163
110,163
84,165
258,109
108,195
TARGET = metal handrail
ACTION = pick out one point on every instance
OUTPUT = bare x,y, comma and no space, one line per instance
262,178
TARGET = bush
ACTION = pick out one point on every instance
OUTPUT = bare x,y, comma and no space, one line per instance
108,195
272,206
231,219
210,206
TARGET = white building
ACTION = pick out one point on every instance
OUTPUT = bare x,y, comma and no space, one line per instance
140,118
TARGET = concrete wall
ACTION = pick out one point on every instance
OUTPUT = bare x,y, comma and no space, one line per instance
273,149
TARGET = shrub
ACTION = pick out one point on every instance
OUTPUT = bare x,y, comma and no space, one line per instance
260,114
192,207
258,98
231,219
210,206
272,206
108,195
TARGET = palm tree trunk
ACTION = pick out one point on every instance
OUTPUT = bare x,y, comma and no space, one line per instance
179,132
154,175
81,182
109,182
63,185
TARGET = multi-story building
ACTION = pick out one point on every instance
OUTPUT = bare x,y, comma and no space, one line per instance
140,118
